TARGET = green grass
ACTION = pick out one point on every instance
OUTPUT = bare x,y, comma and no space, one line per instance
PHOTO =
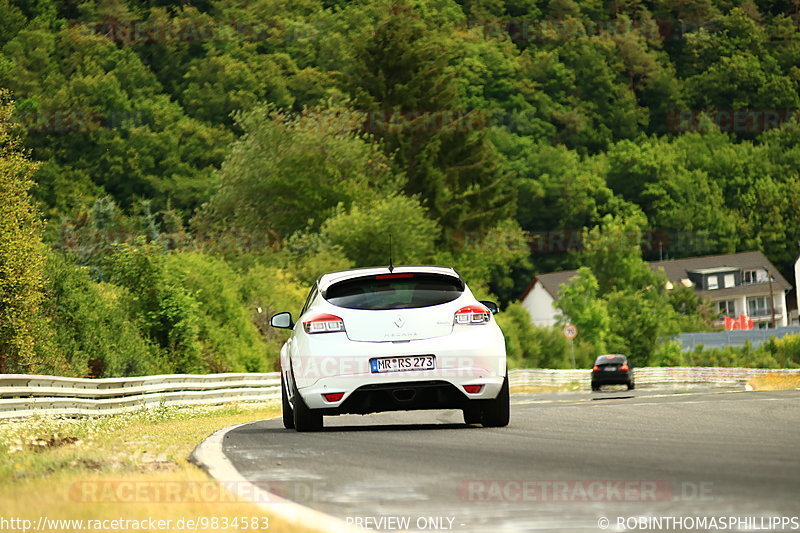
567,387
775,381
66,468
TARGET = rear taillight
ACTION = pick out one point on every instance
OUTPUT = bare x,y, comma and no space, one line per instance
333,396
624,367
473,389
324,324
595,368
472,314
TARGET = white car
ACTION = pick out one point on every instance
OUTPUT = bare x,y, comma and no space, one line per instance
393,339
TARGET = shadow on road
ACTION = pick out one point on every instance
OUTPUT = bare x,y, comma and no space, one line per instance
398,427
612,398
257,428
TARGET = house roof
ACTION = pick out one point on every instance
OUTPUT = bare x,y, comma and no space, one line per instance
551,282
678,269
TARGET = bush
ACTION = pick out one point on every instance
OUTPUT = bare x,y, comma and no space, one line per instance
164,311
734,356
363,232
787,350
309,255
775,353
528,346
522,345
21,253
271,290
92,328
668,354
228,339
288,171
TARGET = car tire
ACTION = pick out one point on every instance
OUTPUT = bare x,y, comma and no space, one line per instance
472,415
595,388
305,419
496,413
631,385
286,407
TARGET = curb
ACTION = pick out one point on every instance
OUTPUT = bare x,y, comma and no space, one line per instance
208,455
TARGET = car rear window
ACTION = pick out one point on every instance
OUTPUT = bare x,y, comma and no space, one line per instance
611,360
395,291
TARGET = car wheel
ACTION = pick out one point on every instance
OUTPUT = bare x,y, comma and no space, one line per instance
305,419
286,407
595,388
472,415
631,385
496,413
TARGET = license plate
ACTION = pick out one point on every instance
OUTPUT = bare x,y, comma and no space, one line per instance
400,364
610,368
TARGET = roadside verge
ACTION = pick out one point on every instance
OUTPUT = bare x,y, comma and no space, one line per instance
210,457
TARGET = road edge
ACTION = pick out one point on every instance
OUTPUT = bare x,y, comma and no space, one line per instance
209,456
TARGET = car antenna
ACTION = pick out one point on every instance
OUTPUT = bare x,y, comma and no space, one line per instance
391,265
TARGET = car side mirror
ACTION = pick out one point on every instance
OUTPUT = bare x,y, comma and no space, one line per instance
491,306
282,320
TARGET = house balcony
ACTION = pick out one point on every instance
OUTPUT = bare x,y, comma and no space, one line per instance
762,313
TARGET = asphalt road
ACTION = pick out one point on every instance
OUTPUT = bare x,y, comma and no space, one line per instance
566,462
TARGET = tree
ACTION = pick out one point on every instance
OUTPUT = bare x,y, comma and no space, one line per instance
98,116
288,172
639,321
402,78
11,21
740,67
165,312
219,85
92,324
684,204
581,304
640,314
694,312
612,250
494,261
363,232
21,252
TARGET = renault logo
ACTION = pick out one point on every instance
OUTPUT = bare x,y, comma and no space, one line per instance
399,321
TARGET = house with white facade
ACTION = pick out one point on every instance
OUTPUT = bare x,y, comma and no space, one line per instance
541,294
736,284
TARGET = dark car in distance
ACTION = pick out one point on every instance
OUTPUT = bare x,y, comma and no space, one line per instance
612,369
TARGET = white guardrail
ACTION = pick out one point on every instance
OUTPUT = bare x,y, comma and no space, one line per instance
676,375
25,395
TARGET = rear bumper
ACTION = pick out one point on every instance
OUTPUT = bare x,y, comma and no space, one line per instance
405,396
611,378
473,357
425,391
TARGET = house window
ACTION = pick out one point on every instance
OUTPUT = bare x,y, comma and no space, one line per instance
758,306
727,308
730,280
749,276
713,282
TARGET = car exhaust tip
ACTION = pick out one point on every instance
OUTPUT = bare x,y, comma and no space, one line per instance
404,395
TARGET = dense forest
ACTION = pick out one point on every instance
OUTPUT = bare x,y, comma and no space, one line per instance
173,172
